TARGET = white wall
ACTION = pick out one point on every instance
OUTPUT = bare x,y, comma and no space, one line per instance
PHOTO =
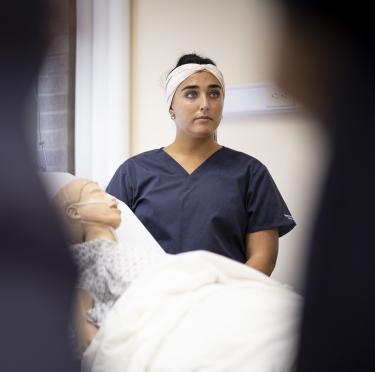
241,37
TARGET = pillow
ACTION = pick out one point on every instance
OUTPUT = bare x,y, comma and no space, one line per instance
132,232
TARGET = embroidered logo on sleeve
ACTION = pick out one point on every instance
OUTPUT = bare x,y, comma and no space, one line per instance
289,217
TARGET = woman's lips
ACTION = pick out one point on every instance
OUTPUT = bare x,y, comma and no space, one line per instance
204,118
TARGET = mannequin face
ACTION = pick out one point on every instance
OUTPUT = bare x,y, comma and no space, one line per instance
198,105
101,208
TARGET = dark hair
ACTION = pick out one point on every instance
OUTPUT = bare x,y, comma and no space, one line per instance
193,58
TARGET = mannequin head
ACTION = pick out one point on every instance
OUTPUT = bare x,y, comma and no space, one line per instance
87,211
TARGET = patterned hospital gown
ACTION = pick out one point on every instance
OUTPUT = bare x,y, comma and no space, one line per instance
106,269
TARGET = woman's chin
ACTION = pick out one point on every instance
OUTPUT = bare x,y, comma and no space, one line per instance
204,133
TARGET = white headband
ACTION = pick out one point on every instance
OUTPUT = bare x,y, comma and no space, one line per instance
179,74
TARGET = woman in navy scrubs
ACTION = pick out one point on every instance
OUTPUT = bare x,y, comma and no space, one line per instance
196,194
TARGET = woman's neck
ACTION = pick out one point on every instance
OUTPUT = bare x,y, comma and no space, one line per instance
191,154
197,147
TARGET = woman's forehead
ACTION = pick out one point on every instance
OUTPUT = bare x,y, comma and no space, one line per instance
201,79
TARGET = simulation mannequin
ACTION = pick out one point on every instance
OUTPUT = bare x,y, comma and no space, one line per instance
106,268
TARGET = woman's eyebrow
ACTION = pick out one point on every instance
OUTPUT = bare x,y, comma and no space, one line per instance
190,87
211,86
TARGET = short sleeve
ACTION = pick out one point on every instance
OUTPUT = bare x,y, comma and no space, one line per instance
120,187
265,205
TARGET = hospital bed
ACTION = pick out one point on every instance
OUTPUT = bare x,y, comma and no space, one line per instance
196,311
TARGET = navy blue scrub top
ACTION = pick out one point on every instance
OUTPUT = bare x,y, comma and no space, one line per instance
229,195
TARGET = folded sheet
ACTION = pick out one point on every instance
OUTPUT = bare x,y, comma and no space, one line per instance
199,311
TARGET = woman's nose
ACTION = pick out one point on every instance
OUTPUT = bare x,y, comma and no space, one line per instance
204,104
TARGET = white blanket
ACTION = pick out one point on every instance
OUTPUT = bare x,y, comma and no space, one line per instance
198,311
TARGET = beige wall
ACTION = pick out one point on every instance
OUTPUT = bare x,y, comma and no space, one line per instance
241,37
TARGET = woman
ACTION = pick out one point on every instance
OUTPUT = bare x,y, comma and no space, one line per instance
196,194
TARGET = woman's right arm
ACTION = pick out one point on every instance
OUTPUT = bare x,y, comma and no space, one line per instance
85,330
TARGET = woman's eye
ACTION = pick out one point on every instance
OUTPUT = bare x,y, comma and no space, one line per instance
215,94
191,94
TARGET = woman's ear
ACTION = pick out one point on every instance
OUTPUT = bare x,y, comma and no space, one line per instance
72,212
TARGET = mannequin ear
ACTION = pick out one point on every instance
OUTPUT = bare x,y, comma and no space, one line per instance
72,212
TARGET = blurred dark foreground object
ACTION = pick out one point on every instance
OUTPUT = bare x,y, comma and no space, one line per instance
36,273
327,62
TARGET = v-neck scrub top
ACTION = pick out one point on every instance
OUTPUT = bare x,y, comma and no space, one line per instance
229,195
